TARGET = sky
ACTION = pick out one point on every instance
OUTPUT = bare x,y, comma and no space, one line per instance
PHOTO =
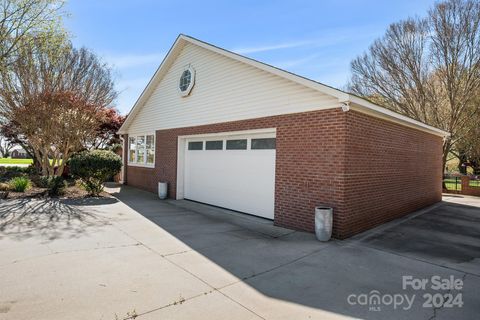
315,39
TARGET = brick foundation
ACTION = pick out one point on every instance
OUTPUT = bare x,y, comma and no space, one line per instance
368,169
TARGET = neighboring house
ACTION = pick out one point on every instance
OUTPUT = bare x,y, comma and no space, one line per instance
18,153
230,131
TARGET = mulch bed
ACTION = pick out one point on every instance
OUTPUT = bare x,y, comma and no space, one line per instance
71,192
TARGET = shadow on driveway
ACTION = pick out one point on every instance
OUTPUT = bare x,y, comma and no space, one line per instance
294,267
49,219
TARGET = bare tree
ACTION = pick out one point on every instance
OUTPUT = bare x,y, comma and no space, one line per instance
427,69
20,19
57,96
5,147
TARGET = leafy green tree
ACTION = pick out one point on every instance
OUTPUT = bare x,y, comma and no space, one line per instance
23,20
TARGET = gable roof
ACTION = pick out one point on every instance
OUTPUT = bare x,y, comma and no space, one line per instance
343,97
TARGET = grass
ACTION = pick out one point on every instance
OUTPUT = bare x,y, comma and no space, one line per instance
453,184
18,161
456,184
15,161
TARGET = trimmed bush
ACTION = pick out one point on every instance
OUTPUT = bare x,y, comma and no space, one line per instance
94,168
19,184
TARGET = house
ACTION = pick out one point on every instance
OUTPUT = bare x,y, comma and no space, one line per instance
18,153
233,132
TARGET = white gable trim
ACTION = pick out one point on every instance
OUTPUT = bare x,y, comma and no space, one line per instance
362,105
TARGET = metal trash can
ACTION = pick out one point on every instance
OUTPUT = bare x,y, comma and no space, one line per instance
162,190
323,222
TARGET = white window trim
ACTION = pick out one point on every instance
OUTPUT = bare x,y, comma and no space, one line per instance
192,81
144,164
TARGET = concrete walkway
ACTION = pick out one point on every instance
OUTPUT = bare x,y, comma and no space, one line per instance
136,255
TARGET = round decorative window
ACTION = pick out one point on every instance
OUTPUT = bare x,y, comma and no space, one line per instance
187,79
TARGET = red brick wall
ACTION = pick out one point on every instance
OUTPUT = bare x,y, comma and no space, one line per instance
467,189
391,170
309,156
314,165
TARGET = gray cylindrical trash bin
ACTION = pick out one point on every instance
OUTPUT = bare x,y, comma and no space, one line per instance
323,222
162,190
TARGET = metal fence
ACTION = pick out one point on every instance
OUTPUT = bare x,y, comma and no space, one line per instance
453,183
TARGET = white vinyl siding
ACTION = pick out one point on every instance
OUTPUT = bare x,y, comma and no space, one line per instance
224,90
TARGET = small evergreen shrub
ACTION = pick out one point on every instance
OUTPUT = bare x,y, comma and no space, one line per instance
19,184
94,168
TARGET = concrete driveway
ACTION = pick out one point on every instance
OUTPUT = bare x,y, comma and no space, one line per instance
135,255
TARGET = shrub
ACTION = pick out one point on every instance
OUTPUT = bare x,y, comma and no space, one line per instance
8,173
56,185
19,184
94,168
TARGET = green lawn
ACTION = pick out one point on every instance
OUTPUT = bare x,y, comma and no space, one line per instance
15,161
453,184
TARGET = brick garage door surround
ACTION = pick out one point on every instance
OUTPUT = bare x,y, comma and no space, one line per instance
369,170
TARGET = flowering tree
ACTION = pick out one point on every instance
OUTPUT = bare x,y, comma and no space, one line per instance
106,134
56,124
57,97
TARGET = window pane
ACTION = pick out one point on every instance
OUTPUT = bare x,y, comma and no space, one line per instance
150,141
185,80
140,149
132,148
264,143
150,149
195,145
150,156
214,145
237,144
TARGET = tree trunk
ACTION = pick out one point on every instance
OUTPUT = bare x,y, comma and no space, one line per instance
462,160
446,151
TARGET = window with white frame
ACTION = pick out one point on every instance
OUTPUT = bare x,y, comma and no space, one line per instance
150,149
141,149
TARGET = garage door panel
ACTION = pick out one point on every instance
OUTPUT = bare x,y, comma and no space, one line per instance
242,180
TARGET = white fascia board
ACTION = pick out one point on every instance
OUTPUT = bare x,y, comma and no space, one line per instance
396,117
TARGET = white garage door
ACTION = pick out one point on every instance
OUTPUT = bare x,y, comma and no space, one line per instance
234,172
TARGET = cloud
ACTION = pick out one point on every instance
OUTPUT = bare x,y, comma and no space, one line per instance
287,64
134,60
286,45
330,37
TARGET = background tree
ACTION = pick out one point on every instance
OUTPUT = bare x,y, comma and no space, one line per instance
5,146
427,69
57,96
20,19
10,131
